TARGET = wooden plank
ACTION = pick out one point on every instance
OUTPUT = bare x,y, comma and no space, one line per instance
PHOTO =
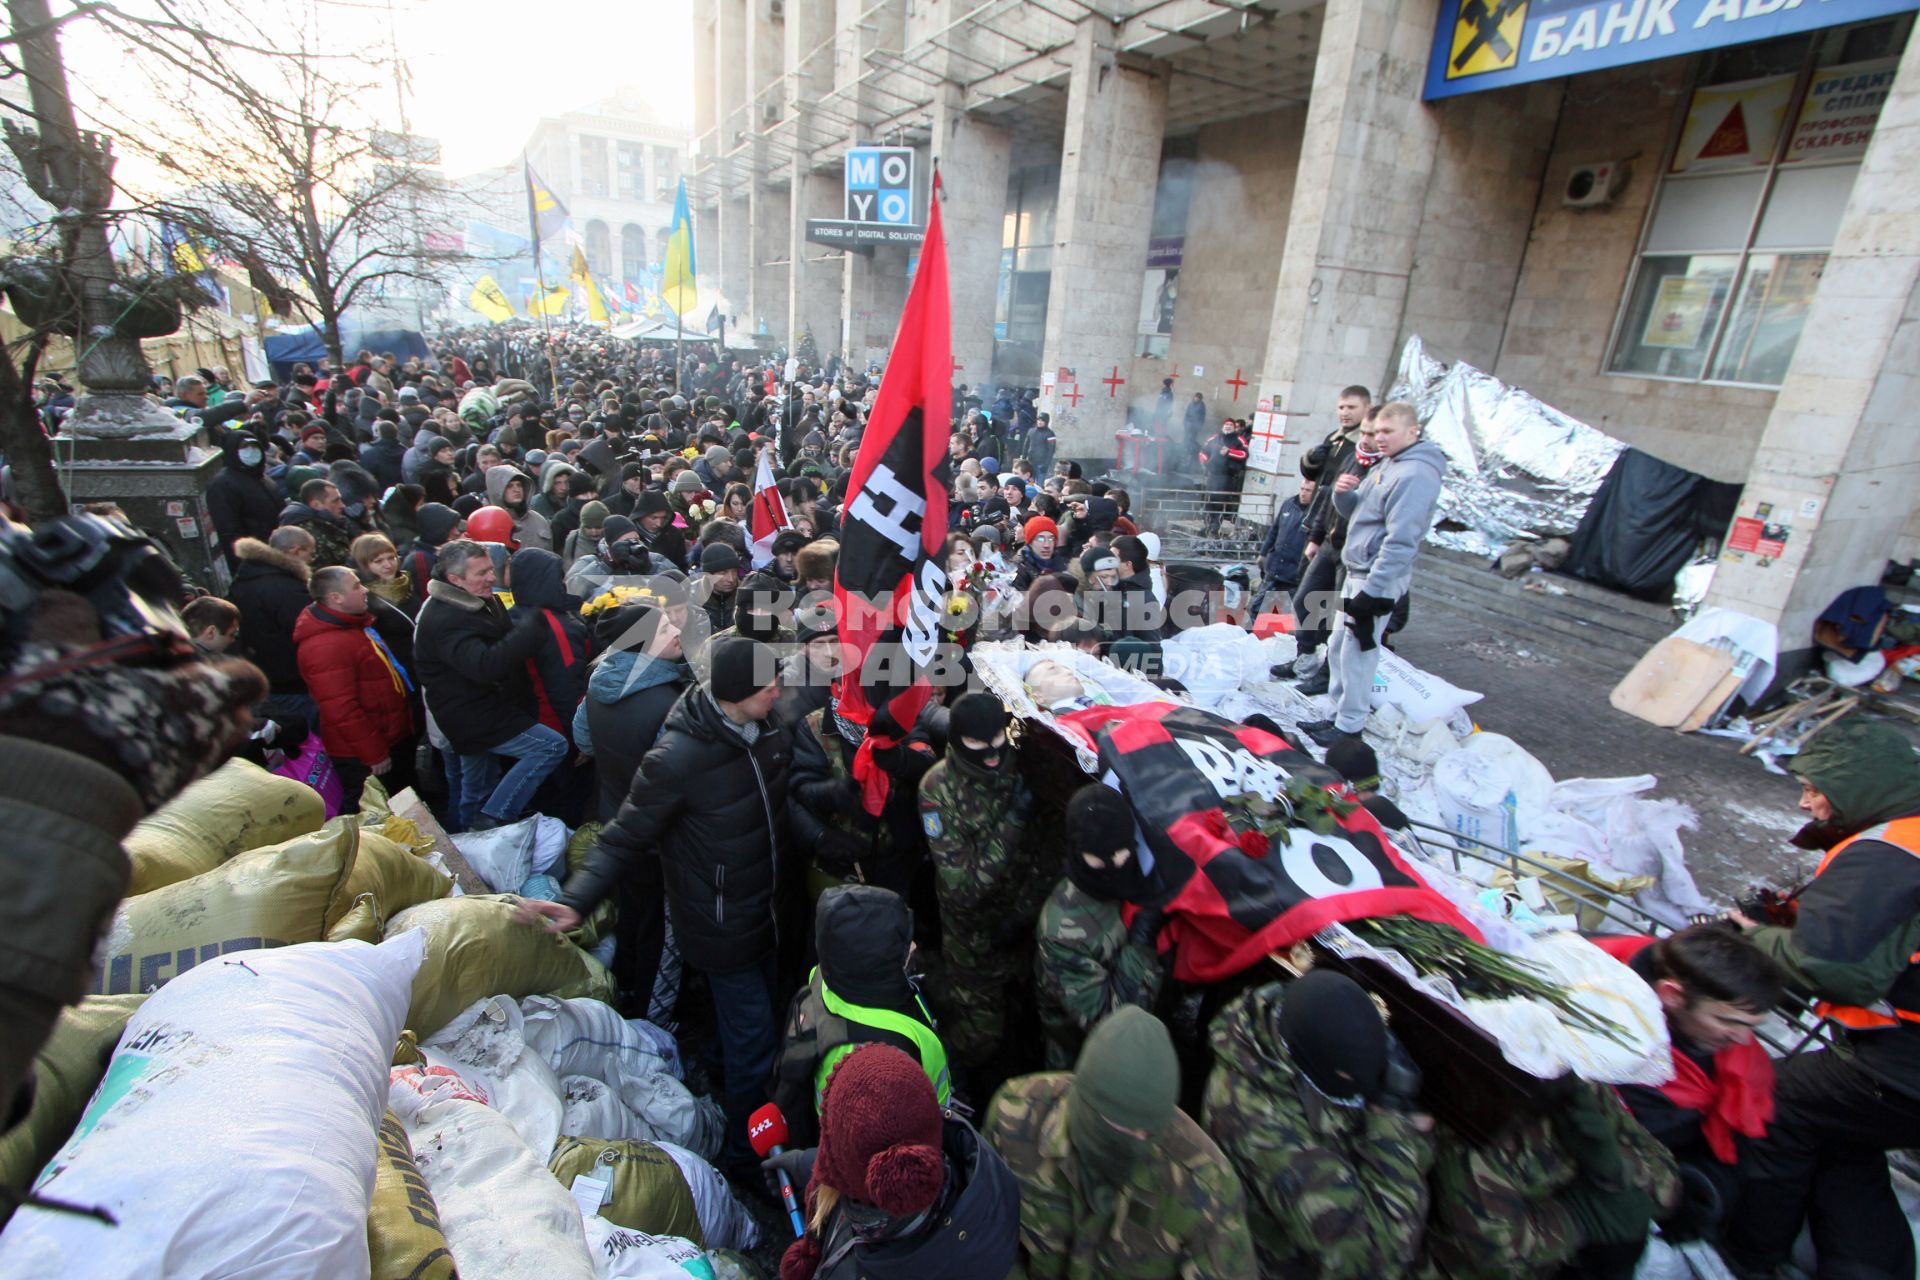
411,807
1710,705
1670,680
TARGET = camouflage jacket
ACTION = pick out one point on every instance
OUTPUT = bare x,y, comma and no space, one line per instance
983,876
1331,1192
1085,969
1180,1216
1495,1216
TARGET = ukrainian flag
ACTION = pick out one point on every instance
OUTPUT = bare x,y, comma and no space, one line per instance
677,288
553,303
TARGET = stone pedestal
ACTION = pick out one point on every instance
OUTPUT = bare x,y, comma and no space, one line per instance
160,480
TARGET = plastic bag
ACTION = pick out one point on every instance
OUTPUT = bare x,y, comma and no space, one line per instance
313,766
476,949
404,1237
237,807
505,856
272,897
620,1253
504,1215
233,1133
66,1071
487,1046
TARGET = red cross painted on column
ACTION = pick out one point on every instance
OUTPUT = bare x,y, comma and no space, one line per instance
1114,382
1071,393
957,366
1236,382
1272,431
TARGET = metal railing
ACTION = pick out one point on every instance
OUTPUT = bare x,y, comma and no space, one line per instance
1796,1027
1201,527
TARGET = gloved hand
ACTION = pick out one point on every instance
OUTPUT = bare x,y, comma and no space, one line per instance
1363,609
1021,807
838,852
797,1164
1400,1088
1607,1217
1701,1206
1146,927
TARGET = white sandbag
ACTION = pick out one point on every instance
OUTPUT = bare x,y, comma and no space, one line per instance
1588,798
589,1038
1475,801
1214,660
1424,697
505,1217
724,1221
233,1135
620,1253
505,856
594,1110
1527,778
1643,838
487,1046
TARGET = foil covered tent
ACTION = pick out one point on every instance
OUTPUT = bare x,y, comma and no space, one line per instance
1516,468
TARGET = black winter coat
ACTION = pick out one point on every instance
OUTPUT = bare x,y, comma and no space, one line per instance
240,500
624,730
713,810
382,460
270,590
471,659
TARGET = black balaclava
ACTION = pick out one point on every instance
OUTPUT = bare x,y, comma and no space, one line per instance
1335,1035
981,717
1100,822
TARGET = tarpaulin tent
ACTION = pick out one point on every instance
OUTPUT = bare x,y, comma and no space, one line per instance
1645,523
287,349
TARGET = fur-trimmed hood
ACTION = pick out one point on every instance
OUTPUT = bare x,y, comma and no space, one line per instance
260,553
447,592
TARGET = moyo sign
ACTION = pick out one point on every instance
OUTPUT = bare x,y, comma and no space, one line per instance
1488,44
879,201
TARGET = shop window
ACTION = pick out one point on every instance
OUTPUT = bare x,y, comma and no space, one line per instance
1750,203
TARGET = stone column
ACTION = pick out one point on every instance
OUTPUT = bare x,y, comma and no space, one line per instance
819,272
1839,460
973,157
1365,161
1109,169
772,237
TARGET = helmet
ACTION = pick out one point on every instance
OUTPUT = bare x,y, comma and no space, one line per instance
492,524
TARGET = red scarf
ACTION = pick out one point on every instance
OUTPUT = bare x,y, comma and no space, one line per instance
1736,1098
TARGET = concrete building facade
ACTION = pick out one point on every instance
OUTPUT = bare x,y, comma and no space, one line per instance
1694,225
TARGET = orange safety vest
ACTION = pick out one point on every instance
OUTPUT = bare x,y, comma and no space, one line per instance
1902,833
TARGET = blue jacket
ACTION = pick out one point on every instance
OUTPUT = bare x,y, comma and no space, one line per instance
1286,544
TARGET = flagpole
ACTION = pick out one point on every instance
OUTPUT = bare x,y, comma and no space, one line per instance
540,277
679,350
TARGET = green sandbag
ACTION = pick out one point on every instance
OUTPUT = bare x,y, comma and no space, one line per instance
237,807
393,873
67,1070
272,897
361,923
649,1192
475,949
404,1239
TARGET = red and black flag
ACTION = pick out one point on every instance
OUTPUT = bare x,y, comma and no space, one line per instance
891,585
1242,897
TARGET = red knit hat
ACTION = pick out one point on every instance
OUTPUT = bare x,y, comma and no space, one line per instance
1037,526
880,1135
880,1130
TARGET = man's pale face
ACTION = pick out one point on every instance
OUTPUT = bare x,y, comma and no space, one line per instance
759,705
331,503
1709,1025
655,522
352,602
1349,410
1392,435
1814,802
478,578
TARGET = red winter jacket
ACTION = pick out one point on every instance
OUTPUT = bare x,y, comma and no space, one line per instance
363,701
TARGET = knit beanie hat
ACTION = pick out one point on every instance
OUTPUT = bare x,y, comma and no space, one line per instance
1037,526
880,1132
717,454
741,668
435,521
651,502
594,515
1127,1076
688,482
718,557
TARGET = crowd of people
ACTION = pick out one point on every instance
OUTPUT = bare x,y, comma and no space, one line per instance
526,579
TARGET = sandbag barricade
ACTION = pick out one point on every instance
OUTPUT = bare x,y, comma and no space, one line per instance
237,807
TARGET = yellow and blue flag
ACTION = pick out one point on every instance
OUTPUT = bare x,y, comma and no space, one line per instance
552,303
545,213
490,300
677,287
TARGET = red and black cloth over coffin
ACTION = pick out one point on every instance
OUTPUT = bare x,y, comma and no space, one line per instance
1241,897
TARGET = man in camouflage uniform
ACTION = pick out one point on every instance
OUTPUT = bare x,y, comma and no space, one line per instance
1116,1183
974,807
1088,963
1321,1129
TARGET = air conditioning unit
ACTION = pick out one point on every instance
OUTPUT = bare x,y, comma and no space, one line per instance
770,113
1590,186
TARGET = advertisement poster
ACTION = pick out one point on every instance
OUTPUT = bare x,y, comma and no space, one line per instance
1678,317
1159,292
1841,109
1733,126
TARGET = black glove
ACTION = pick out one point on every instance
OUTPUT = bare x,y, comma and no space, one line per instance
1146,927
838,852
1701,1206
1023,801
1363,609
1400,1086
